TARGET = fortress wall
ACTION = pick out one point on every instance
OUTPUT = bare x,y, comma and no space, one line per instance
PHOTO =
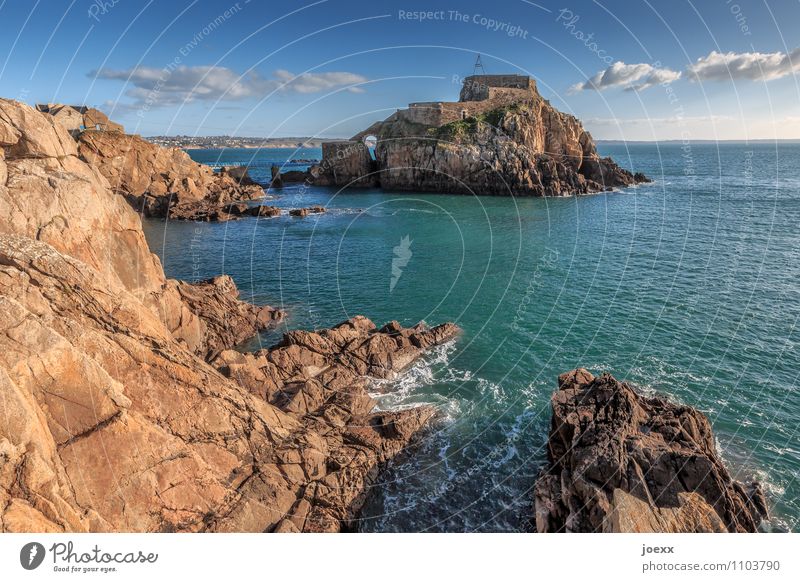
434,113
478,87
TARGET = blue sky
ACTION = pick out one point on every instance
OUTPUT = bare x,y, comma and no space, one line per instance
632,70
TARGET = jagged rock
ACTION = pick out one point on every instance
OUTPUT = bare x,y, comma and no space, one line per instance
345,163
303,212
78,118
265,211
621,462
52,196
239,174
39,138
320,378
111,420
276,181
227,321
164,181
294,176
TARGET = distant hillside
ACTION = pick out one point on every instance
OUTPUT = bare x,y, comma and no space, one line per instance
226,141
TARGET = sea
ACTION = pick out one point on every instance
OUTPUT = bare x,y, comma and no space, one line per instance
688,287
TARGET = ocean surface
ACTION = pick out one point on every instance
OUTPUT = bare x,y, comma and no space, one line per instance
689,286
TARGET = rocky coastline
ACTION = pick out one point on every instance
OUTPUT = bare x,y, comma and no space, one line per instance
125,407
102,352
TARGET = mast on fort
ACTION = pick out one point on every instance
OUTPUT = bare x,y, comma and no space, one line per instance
478,69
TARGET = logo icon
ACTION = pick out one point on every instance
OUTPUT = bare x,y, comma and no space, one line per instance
31,555
402,254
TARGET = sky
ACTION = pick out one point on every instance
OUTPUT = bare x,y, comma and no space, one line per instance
649,70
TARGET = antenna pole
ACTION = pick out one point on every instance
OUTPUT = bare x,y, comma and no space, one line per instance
478,68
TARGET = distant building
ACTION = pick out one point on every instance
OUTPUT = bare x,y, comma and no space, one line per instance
479,94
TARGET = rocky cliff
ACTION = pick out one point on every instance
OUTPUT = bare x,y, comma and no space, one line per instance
621,462
164,181
114,420
495,140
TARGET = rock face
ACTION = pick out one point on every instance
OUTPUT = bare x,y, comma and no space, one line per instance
78,118
224,320
501,138
620,462
50,195
346,164
114,421
321,378
164,181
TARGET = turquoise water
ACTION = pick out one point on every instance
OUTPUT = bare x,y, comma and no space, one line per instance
687,286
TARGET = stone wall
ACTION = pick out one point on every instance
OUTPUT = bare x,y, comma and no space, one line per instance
432,113
477,87
346,163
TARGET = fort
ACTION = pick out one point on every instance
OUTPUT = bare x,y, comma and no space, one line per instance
479,93
500,138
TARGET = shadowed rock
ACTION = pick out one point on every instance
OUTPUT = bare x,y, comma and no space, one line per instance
621,462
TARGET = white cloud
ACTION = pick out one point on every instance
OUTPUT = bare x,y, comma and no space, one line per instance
154,87
317,82
753,66
633,77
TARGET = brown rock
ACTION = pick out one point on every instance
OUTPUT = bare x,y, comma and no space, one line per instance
42,137
294,176
621,462
239,174
265,211
226,321
164,181
303,212
277,181
112,422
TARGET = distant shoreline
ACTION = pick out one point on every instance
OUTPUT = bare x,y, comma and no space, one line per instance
695,141
187,142
224,141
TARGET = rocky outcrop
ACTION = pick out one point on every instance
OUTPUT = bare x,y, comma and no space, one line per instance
321,378
113,419
501,140
622,462
303,212
164,181
222,319
346,164
78,118
50,195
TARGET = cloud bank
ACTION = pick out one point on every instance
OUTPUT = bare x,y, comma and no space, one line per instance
631,77
169,86
750,66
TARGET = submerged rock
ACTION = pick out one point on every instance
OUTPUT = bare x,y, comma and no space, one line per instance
303,212
621,462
